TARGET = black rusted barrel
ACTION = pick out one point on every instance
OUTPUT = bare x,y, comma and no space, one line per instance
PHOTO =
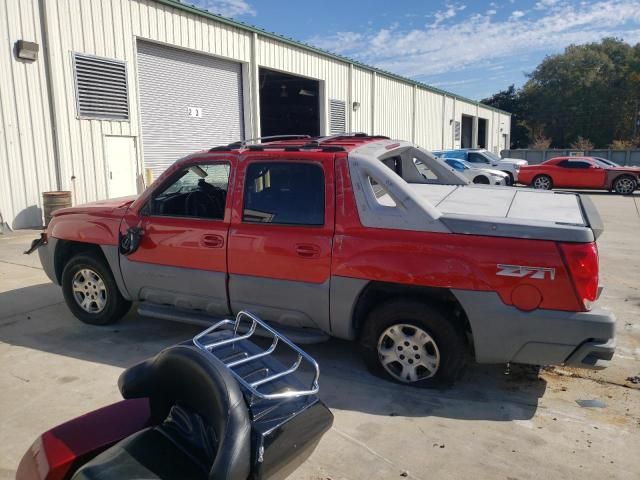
52,201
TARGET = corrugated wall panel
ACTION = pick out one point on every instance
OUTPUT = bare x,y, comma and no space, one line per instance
448,137
429,119
26,143
362,94
393,108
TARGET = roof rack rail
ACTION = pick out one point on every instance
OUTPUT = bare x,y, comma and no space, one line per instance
245,142
319,141
216,346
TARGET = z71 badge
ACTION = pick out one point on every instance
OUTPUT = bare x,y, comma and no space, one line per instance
520,271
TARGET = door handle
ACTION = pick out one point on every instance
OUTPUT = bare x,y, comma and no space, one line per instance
212,241
307,250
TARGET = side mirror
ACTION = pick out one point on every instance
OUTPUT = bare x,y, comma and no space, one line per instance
130,241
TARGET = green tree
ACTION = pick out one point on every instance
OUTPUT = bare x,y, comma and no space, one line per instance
590,91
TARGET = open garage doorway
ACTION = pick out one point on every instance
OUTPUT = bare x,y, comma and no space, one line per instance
482,132
288,104
467,132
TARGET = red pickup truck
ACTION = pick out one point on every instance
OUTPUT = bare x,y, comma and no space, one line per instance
357,237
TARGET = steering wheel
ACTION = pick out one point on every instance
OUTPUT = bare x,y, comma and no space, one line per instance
199,204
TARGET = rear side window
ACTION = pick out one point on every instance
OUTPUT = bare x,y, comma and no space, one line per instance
573,164
285,193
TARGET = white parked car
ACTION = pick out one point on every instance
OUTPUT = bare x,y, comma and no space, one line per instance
484,158
487,176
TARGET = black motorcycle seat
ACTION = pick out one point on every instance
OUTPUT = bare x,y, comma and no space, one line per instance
181,379
146,455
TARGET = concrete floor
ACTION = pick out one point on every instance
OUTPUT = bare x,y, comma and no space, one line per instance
520,426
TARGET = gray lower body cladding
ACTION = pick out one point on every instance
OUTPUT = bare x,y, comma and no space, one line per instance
47,256
502,333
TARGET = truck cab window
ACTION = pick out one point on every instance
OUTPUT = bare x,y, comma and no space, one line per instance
285,193
199,191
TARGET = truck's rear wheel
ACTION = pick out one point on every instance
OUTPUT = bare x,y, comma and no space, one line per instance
412,343
90,291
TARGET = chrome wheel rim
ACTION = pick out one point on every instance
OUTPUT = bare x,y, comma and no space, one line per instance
625,186
408,353
542,183
89,291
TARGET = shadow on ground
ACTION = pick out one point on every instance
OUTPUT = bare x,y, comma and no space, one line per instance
484,393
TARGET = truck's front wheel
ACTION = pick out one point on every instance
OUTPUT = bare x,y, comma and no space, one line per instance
90,291
412,343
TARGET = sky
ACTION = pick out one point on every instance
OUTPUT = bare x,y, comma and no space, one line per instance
472,48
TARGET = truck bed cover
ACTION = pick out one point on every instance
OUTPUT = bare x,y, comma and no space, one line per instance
511,203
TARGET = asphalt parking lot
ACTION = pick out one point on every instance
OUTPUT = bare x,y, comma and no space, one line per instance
558,423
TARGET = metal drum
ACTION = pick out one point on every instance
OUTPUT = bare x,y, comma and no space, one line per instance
52,201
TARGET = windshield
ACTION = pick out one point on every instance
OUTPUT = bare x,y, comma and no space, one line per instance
492,156
466,164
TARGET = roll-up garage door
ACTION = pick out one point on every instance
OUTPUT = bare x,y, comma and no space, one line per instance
188,102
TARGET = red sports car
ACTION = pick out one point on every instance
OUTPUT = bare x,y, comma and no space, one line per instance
581,172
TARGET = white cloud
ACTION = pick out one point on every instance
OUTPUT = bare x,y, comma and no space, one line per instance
226,8
477,39
542,4
450,11
517,14
492,12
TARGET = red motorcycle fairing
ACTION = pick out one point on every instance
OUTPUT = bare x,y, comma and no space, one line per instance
57,453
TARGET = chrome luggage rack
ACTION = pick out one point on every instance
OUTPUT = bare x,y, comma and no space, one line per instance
233,344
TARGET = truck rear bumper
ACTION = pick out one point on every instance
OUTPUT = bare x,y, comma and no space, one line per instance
502,333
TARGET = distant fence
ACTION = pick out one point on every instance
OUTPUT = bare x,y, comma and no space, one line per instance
621,157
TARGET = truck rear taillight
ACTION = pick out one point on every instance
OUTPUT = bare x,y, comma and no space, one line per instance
582,262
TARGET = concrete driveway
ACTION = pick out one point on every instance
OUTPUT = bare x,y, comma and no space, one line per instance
490,425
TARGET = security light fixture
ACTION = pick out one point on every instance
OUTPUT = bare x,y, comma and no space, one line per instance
27,50
356,106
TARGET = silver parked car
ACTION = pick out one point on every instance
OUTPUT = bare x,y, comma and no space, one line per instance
487,176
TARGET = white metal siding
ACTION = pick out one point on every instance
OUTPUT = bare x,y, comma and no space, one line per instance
362,121
171,82
428,119
26,142
393,108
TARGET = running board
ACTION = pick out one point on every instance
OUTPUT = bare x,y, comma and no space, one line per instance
303,336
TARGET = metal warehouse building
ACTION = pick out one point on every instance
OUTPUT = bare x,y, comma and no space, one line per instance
98,96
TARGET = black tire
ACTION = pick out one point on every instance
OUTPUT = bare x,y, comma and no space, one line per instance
113,305
544,181
480,179
510,180
450,342
625,185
